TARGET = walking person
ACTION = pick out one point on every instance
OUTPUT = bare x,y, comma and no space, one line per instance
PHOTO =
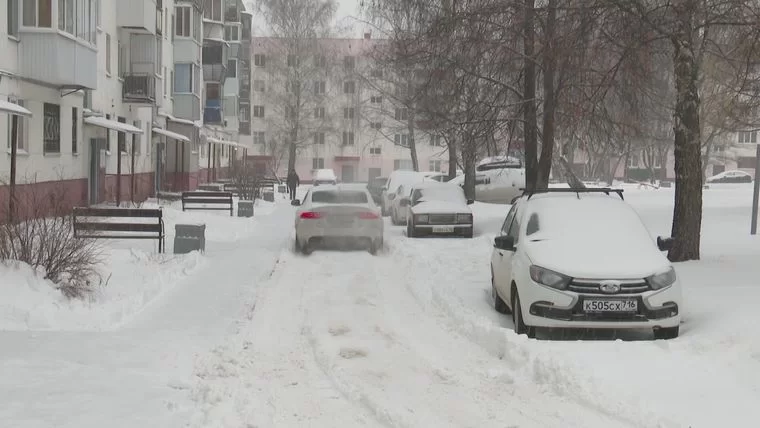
293,182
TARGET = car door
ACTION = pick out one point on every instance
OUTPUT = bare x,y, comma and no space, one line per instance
501,260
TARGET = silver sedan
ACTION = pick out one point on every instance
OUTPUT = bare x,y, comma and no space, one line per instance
342,214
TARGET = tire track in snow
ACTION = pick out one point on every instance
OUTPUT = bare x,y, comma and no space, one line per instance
552,374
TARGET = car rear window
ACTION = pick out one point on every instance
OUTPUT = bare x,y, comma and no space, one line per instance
339,197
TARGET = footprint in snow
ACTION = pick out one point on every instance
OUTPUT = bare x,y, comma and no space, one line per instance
351,353
339,330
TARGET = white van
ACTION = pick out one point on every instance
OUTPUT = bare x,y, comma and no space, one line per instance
396,180
498,180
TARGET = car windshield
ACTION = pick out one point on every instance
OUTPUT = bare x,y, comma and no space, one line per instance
339,197
444,193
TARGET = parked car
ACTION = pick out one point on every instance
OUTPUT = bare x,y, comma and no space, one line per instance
395,180
734,176
435,175
437,209
324,176
583,260
341,214
375,187
497,180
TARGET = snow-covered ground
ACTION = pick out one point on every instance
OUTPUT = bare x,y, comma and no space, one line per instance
252,335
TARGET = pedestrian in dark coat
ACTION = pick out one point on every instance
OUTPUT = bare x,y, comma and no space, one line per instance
293,182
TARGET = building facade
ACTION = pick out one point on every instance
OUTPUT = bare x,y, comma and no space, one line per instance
117,94
329,95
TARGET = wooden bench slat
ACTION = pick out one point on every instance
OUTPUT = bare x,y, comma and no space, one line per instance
119,227
118,212
208,201
214,194
117,236
207,209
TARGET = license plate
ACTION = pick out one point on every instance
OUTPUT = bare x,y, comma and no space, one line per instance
443,229
341,220
610,306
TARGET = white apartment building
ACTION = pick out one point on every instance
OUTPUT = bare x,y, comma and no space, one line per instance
352,128
110,106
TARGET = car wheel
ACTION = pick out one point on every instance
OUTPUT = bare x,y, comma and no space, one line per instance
498,303
307,248
520,327
296,246
666,333
374,247
409,230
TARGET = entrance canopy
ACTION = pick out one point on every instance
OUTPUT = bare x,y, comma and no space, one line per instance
112,125
12,108
170,134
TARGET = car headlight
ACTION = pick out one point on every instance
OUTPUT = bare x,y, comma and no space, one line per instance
662,280
464,218
549,278
421,218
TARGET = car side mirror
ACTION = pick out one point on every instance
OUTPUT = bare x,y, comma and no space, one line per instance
665,244
404,202
504,242
295,203
470,201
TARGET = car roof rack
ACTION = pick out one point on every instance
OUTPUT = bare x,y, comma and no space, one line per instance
577,191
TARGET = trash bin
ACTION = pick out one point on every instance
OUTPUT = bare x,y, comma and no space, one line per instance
189,237
245,209
268,196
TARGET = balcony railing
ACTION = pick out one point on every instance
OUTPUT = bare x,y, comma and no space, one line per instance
139,87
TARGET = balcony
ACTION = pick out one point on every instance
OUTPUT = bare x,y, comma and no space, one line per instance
212,113
58,60
140,16
245,128
215,53
139,88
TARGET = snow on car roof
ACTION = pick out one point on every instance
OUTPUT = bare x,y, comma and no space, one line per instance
324,174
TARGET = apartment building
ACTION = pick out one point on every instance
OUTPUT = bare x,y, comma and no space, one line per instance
325,94
118,93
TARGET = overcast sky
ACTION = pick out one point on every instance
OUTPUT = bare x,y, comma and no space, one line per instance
346,16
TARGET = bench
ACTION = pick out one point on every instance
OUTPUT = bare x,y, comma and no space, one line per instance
223,200
85,227
232,188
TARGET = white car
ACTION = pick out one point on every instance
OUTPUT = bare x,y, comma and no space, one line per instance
734,176
496,182
582,260
324,176
396,180
437,209
343,214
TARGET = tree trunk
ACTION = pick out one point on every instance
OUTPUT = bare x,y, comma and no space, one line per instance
412,142
12,185
687,211
451,142
468,159
550,63
529,97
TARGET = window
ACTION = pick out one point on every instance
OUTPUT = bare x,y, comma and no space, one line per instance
159,55
319,87
74,130
319,138
348,138
514,229
349,62
66,16
533,225
38,13
401,140
435,165
402,114
121,59
51,128
171,80
634,160
377,74
183,78
212,91
294,61
197,21
348,113
21,128
319,112
320,61
376,125
342,197
121,137
231,33
748,137
182,21
259,137
403,164
508,220
349,87
657,161
375,151
259,86
245,113
108,54
258,111
482,179
12,17
232,68
213,10
260,60
293,87
436,140
377,99
317,163
745,162
87,16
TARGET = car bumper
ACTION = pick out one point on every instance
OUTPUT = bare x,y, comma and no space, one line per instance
306,233
546,307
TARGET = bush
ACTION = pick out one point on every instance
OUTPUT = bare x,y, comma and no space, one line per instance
40,232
